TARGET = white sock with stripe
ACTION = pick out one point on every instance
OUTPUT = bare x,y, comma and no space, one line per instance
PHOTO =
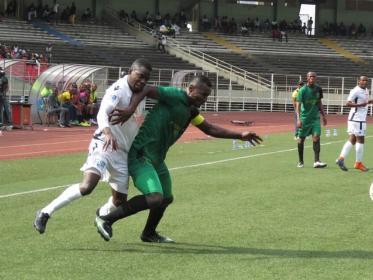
359,152
107,207
346,149
67,196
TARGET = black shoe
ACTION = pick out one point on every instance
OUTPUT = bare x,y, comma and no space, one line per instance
155,238
103,228
40,222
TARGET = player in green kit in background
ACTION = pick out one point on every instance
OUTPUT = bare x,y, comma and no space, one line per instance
164,124
309,108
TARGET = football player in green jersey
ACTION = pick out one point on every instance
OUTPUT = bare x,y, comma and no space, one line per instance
309,108
164,124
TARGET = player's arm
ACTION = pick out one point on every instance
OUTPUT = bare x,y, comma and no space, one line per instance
322,112
297,110
120,116
108,104
355,105
220,132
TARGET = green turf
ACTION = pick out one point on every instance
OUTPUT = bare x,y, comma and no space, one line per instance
257,217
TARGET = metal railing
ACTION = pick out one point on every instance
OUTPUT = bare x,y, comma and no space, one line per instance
191,51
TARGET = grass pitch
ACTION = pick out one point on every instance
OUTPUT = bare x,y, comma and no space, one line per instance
238,214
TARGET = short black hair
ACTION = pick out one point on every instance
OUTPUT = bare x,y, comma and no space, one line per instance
141,62
201,80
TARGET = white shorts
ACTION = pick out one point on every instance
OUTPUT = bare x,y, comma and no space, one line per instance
356,128
110,165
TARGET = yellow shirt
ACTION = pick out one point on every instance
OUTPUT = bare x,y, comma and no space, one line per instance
46,92
64,97
294,95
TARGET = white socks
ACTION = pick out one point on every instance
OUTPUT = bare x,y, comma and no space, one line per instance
70,194
108,207
359,152
346,149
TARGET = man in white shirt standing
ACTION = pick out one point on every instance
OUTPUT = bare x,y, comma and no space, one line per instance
358,100
108,150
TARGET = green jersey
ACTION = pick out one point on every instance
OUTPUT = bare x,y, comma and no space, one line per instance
309,96
164,124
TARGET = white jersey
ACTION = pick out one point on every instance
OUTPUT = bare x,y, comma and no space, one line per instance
358,95
118,96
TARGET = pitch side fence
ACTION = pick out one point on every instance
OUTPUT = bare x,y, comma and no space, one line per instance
226,95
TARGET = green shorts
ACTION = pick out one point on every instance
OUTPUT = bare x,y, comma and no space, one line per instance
148,178
309,128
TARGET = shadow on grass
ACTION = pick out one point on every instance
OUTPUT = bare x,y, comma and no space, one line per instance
203,249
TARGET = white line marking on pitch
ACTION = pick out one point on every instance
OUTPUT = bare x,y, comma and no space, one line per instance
184,167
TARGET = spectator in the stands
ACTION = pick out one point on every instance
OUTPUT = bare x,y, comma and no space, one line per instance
54,107
352,30
304,28
45,14
361,30
244,30
232,26
309,26
175,29
48,52
65,98
267,25
162,42
11,8
93,105
123,15
31,12
47,90
134,16
205,23
224,24
217,23
72,15
56,13
342,30
183,19
257,25
87,15
65,14
158,19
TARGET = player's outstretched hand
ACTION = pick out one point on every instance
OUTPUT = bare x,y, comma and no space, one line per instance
251,137
120,116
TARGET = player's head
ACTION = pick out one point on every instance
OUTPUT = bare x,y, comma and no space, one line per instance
93,87
363,80
311,78
198,90
138,74
300,84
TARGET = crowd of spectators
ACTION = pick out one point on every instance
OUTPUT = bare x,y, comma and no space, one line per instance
332,29
56,13
16,52
74,105
19,52
160,24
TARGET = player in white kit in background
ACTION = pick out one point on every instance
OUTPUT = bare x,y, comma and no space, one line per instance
107,157
358,100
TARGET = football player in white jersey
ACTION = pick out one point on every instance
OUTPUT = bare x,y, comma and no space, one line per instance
358,100
107,157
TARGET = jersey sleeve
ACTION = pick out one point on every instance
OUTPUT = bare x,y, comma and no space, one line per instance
171,95
294,95
352,96
321,93
300,95
108,104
